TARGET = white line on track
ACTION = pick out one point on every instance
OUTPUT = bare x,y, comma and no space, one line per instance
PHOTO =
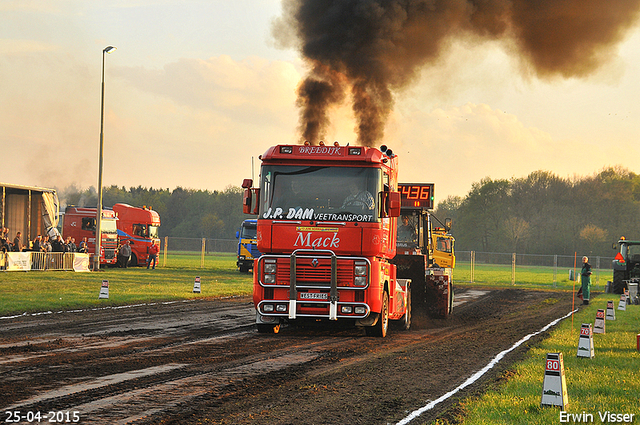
473,378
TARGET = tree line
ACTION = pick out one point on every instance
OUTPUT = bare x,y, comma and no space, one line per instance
186,213
543,213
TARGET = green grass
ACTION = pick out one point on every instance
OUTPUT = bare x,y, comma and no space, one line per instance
607,382
537,277
38,291
43,291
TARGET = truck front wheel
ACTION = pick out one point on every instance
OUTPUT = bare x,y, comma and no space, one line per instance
382,325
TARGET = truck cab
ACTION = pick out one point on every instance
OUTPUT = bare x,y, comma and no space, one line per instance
326,226
140,227
80,222
247,245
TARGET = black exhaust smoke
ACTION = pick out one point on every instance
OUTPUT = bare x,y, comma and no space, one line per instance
372,48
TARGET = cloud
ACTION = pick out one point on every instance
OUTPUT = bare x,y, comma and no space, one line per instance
197,123
194,123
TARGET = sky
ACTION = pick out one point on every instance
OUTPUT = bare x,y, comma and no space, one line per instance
196,90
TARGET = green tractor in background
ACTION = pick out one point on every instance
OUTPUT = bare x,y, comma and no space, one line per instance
626,264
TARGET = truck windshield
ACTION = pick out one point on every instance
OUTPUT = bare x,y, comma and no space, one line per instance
108,226
320,193
249,231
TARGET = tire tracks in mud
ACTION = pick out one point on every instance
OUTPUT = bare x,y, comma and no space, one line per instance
164,363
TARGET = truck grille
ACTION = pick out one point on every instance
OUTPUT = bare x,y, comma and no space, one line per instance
318,275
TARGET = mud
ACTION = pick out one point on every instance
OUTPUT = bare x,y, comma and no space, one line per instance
202,362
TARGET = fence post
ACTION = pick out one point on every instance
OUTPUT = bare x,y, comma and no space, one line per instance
555,270
513,268
204,244
473,266
598,270
166,246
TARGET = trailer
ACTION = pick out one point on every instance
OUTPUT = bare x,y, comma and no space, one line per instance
30,210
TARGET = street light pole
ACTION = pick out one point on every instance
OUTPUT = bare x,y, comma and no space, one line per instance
96,258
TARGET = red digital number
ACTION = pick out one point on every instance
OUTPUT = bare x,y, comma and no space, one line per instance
585,331
553,365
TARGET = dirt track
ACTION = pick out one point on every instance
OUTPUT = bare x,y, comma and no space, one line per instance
202,362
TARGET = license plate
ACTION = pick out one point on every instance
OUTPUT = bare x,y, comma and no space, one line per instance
314,296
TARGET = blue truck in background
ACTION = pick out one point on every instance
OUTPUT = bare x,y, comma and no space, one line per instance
247,248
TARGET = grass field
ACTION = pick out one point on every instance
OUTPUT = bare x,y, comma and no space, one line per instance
38,291
606,383
43,291
535,277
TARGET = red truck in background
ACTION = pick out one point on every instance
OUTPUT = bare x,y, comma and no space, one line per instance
326,226
80,222
140,227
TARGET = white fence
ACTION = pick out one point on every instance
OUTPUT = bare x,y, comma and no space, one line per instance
559,264
28,261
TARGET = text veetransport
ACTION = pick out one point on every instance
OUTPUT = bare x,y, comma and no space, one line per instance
309,214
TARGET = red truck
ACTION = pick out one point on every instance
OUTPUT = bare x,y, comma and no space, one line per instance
140,227
326,226
80,222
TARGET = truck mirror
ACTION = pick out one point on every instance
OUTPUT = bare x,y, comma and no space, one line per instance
246,200
393,204
447,224
247,183
614,246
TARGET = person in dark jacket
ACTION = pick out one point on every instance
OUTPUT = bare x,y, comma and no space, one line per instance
57,244
585,279
124,253
17,244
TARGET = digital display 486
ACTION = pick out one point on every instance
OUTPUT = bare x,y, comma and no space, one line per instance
416,195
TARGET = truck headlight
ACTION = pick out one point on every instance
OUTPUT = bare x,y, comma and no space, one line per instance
360,270
270,278
270,268
360,310
267,308
360,280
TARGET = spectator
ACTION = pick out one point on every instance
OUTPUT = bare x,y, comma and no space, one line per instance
37,246
153,254
124,253
4,243
57,245
17,244
585,280
46,244
83,246
69,246
72,245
